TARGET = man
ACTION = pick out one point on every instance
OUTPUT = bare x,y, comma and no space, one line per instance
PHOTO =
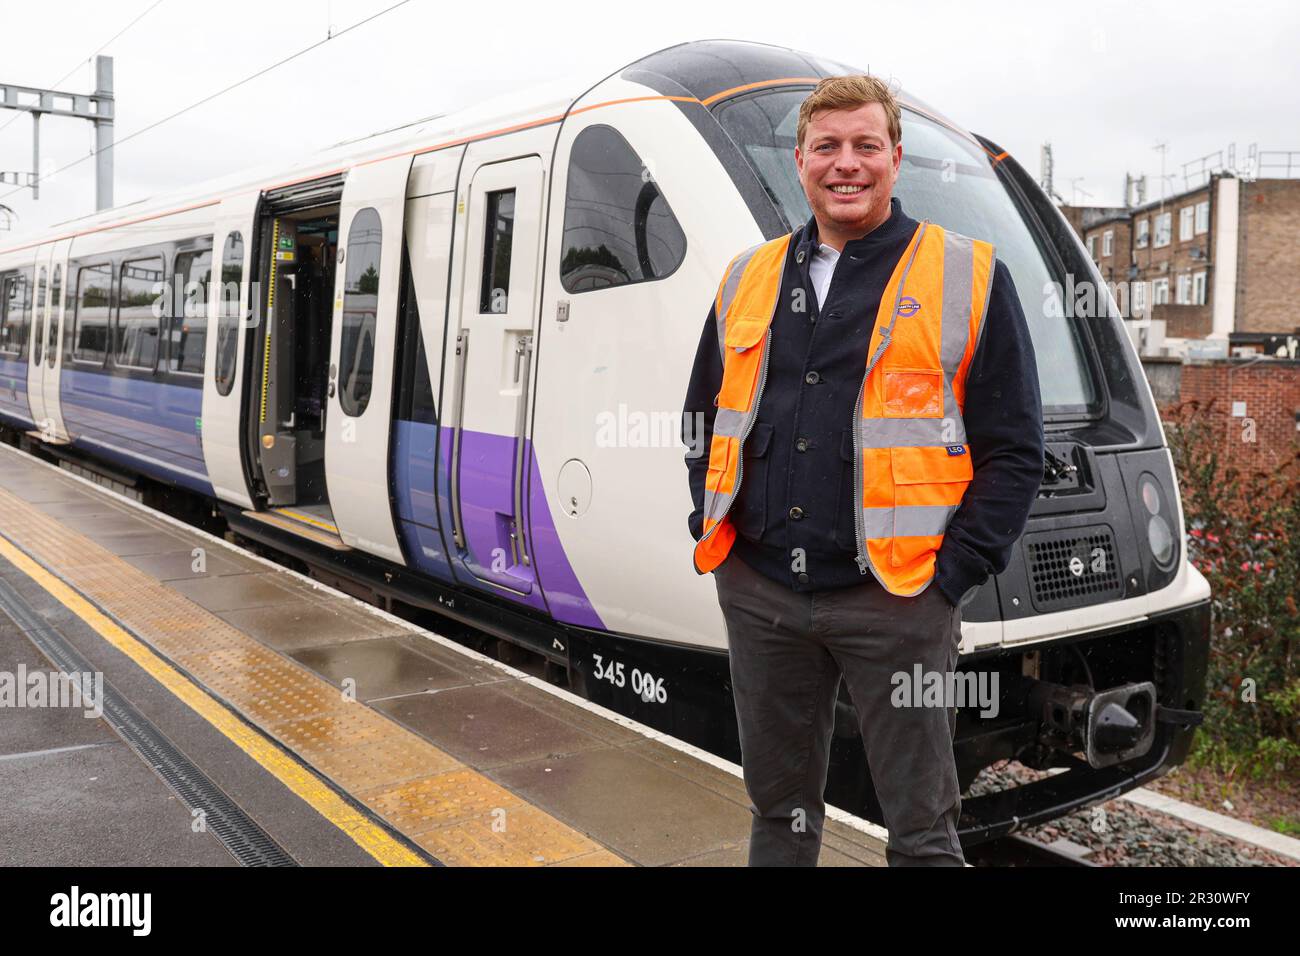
872,444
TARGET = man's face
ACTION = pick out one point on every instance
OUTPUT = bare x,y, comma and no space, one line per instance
848,170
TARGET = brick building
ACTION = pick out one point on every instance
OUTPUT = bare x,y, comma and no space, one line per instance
1219,262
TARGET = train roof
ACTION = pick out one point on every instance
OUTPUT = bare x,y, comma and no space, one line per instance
700,69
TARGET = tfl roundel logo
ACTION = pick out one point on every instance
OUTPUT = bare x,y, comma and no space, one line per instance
908,306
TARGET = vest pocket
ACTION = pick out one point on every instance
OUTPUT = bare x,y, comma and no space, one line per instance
913,393
846,530
929,483
750,510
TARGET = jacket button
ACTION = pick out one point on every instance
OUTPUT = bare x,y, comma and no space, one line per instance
803,577
796,513
801,444
799,257
812,378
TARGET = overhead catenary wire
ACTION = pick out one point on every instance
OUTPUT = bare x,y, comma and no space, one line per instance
209,98
27,109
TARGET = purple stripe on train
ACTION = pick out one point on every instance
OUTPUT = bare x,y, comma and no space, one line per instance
486,490
150,426
13,392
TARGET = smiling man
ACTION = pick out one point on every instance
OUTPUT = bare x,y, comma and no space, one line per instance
872,445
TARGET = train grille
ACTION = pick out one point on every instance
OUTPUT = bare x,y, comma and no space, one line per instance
1072,569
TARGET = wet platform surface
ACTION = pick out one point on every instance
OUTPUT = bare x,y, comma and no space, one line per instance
348,734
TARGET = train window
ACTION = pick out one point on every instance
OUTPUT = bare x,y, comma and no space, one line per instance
416,398
13,308
94,293
135,334
228,309
56,313
497,236
947,179
360,299
618,227
38,315
187,327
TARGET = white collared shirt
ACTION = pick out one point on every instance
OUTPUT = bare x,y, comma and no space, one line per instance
821,269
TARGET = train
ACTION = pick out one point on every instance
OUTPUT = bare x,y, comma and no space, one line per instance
442,367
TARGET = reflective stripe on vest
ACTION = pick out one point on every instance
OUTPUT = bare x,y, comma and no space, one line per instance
910,452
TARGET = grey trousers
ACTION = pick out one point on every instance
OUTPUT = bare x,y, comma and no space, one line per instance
788,651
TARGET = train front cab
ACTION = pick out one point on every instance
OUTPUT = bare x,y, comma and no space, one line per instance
1098,630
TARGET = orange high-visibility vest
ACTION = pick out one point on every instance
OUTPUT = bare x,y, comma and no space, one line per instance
910,457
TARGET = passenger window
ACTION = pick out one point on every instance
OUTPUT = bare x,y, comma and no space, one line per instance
135,335
12,307
94,292
618,228
498,232
228,312
187,330
38,313
56,305
360,299
416,403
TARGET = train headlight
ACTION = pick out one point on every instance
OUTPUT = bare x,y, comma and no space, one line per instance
1160,535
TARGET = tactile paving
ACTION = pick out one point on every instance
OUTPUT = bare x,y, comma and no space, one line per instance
460,816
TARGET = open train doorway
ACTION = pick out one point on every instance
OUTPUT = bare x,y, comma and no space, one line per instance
298,239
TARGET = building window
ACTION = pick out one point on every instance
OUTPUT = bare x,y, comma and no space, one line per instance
1107,242
94,294
494,295
1092,248
1185,223
229,302
1164,222
1202,217
187,332
1139,297
135,335
1143,233
1198,288
1183,290
1160,292
360,304
618,227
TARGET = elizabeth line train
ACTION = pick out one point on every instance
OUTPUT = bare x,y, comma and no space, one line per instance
431,322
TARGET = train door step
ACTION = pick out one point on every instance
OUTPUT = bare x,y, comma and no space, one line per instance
313,522
48,439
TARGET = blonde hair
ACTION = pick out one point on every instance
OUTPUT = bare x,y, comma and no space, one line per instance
850,92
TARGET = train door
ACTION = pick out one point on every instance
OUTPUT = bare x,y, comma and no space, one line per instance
498,266
223,378
363,342
46,352
37,338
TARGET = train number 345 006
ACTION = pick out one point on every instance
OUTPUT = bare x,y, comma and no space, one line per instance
644,685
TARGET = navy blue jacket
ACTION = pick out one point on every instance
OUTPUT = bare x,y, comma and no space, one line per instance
799,454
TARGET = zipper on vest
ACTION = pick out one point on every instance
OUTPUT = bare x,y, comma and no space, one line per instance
859,523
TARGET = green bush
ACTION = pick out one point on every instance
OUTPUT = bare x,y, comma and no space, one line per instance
1243,526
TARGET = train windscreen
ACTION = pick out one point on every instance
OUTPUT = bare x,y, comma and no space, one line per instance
948,180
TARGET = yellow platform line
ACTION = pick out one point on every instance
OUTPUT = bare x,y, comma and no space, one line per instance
443,806
301,782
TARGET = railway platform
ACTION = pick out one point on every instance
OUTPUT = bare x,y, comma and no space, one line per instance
236,711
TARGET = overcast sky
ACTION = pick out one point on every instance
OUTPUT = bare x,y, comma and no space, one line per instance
1103,82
